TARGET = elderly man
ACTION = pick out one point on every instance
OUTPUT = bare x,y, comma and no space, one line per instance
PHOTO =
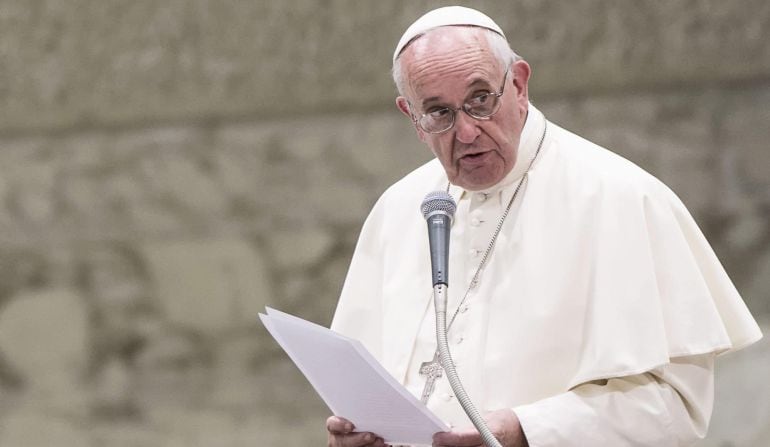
586,307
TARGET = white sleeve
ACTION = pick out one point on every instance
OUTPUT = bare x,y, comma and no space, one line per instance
667,406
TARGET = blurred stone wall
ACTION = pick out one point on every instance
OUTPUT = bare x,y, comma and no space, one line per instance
168,168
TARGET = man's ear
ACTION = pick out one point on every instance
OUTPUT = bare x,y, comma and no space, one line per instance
521,72
403,106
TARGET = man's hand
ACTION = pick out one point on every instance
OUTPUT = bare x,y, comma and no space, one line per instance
341,434
503,423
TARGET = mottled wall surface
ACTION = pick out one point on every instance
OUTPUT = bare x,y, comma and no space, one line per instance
168,168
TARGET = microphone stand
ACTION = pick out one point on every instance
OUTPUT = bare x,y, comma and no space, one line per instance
437,208
440,304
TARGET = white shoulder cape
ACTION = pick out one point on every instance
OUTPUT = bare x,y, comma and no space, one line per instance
603,274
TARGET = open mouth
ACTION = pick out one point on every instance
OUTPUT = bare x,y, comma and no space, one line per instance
475,157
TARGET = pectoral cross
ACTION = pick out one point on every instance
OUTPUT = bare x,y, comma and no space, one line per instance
431,371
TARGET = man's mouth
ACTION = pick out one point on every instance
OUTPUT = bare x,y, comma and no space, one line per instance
474,156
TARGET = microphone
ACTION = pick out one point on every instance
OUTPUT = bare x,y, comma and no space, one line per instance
438,208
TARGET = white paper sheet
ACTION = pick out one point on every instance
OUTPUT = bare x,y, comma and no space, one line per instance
351,381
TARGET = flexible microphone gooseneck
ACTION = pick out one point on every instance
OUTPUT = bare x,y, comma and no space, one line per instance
438,208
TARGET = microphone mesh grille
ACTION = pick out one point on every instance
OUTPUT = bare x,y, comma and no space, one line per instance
438,201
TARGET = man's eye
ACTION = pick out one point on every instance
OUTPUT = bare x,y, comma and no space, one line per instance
438,113
479,100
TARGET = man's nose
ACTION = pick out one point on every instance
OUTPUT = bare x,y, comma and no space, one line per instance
466,128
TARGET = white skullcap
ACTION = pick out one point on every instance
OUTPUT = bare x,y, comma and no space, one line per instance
446,16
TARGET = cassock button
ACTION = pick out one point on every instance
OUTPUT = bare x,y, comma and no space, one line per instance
473,252
482,196
446,397
459,339
475,222
464,309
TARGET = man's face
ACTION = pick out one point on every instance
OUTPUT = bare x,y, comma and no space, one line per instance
447,67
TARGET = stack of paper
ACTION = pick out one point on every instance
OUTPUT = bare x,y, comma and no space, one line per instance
352,383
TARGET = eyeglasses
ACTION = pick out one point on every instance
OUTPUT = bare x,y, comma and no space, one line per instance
480,107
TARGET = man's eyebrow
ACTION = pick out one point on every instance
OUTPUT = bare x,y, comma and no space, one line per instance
431,99
478,81
475,82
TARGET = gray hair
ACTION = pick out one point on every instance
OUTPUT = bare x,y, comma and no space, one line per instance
500,48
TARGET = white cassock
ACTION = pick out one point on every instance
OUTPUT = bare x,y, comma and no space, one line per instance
596,318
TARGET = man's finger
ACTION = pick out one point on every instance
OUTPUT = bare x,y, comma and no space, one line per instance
338,425
379,442
355,439
468,437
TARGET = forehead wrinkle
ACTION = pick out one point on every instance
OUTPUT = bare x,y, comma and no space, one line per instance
448,51
424,77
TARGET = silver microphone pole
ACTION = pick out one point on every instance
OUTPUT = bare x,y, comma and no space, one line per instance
438,208
440,300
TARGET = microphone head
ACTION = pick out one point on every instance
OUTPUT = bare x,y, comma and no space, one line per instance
438,201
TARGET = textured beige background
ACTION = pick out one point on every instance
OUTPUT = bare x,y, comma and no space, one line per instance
167,168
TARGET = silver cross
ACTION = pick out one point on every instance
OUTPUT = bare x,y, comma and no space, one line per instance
431,371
